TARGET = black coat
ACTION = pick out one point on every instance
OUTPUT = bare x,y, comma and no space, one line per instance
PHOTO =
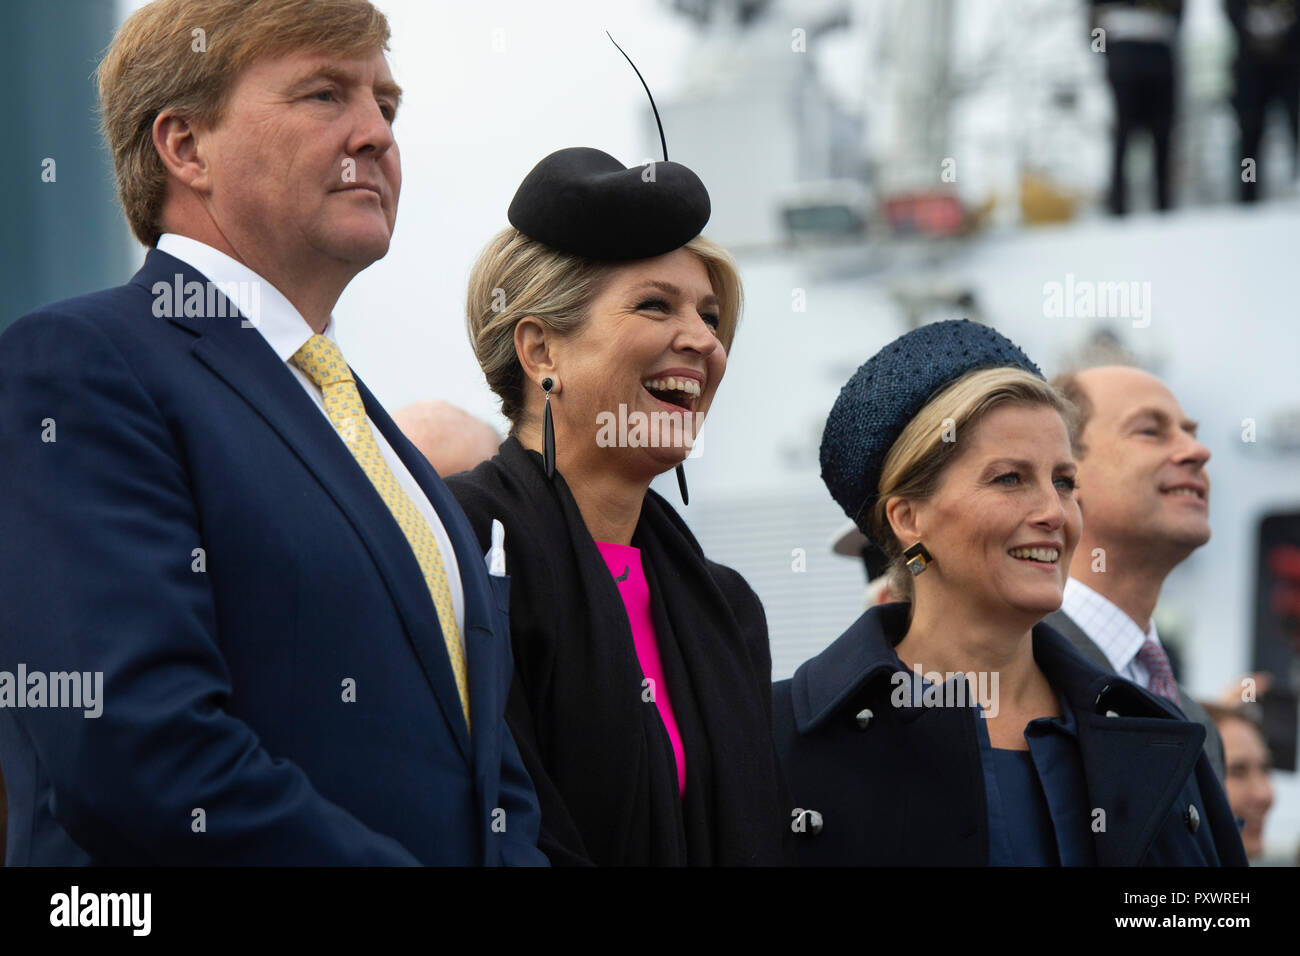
904,787
592,741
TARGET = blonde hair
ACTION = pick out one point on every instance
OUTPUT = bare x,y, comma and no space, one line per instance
516,277
915,464
159,61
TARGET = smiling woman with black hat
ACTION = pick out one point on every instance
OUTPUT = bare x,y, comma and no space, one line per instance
954,729
641,696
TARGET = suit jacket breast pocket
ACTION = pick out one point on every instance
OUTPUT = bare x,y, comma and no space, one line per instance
501,592
501,625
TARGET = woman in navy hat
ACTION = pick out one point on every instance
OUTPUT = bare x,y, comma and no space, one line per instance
952,728
641,696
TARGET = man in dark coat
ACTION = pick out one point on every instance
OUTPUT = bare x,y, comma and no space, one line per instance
1140,38
1144,493
1267,70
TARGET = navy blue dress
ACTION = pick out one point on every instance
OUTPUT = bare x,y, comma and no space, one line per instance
1037,798
1037,808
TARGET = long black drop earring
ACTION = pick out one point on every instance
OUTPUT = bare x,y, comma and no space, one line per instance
548,431
681,485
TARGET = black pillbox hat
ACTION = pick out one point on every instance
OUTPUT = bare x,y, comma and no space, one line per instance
586,203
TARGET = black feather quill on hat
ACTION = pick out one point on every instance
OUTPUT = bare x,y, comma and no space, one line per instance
585,202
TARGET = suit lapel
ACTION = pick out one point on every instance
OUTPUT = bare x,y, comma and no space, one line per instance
245,362
1065,624
482,653
487,652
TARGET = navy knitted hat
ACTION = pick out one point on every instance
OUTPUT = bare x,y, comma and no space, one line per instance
887,391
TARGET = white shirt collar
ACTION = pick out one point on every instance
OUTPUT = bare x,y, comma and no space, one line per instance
1113,631
283,326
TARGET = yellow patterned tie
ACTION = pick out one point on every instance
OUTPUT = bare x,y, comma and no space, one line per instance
323,362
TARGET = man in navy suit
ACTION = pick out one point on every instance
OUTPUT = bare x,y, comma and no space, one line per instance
301,657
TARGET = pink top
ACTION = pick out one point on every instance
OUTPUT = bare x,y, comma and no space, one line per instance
624,563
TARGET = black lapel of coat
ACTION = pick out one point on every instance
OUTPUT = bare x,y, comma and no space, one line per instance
1135,761
593,696
727,697
1135,768
692,814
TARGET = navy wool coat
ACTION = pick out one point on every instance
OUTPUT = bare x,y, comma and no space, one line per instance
903,786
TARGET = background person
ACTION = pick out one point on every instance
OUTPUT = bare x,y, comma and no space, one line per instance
1249,769
450,438
852,543
1266,71
1145,497
1141,67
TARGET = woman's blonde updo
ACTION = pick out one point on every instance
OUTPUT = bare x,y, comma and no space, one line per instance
915,464
516,276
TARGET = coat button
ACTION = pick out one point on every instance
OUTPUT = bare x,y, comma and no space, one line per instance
864,718
811,822
1192,818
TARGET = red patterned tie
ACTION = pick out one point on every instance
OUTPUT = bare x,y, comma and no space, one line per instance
1161,679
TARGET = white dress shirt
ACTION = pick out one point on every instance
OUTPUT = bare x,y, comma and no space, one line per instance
286,331
1110,629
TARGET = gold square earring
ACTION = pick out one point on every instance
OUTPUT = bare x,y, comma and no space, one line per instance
918,559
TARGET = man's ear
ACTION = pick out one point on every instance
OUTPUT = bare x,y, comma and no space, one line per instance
533,348
903,516
177,141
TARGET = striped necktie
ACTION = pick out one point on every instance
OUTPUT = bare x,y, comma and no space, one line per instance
323,363
1161,675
